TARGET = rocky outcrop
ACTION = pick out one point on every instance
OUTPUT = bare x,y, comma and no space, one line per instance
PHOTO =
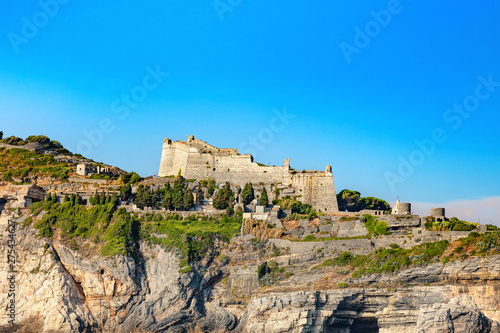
67,292
460,314
359,310
59,289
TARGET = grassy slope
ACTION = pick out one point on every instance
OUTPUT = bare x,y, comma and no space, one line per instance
21,163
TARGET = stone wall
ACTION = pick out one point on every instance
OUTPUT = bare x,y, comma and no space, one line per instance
198,160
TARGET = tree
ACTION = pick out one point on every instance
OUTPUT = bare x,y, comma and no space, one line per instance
263,201
224,197
353,202
125,192
131,178
211,186
247,193
348,200
187,199
1,135
178,197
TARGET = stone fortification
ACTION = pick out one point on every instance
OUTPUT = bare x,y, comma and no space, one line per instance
195,159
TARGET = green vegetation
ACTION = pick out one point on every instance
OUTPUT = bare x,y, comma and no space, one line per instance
194,235
343,285
178,197
21,163
374,226
452,224
175,197
224,197
42,139
131,178
353,202
389,260
299,210
117,232
488,243
270,273
247,194
264,200
211,186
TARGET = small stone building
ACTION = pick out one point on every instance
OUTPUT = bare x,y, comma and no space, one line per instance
84,169
401,208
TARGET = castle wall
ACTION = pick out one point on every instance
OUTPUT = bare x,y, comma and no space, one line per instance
173,158
316,189
199,160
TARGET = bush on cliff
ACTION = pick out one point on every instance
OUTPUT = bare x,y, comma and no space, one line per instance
452,224
376,227
384,260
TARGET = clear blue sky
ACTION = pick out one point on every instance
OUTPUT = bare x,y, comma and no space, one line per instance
226,76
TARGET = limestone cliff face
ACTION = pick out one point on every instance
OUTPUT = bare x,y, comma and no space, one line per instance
60,290
428,309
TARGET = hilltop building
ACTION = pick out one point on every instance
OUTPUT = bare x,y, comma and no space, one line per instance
196,159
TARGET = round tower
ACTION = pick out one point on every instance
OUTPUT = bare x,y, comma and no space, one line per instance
404,208
437,212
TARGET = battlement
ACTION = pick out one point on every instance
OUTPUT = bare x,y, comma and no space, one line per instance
196,159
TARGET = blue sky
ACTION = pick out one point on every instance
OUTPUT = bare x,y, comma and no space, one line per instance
233,64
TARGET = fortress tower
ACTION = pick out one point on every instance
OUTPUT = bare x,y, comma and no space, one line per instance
196,159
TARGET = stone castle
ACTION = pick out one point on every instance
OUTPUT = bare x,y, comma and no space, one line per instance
196,159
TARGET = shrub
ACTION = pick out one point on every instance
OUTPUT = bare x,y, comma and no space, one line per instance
186,269
309,238
376,227
343,259
343,285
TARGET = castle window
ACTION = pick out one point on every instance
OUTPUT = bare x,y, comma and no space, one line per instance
227,170
265,171
214,169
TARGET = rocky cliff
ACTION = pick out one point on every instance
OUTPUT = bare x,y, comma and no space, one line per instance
62,290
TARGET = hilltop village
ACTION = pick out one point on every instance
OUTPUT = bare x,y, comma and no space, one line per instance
219,243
